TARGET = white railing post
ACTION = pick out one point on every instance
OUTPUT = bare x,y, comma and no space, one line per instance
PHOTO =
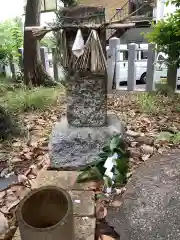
8,71
131,81
114,44
150,68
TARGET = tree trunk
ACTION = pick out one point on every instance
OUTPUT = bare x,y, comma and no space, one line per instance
34,73
172,77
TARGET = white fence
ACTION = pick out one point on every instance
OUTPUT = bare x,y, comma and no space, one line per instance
117,69
48,60
118,73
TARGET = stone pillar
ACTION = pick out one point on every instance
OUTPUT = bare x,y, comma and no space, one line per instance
150,68
131,67
114,45
87,100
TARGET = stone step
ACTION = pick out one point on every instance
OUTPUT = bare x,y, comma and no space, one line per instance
84,229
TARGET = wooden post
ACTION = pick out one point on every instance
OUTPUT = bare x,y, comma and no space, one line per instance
54,62
110,68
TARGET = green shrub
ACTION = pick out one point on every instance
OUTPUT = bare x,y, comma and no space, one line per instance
8,125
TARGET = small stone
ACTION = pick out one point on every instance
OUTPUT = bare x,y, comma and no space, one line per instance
147,149
145,157
161,150
116,203
133,144
145,140
134,152
120,190
133,133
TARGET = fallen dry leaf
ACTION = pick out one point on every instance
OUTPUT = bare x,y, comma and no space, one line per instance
22,178
9,201
3,224
101,210
94,185
20,191
33,142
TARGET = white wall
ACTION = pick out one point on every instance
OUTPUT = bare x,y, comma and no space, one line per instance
162,10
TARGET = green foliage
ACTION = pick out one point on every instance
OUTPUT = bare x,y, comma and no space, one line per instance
169,137
96,170
21,100
48,42
11,38
166,35
8,126
147,102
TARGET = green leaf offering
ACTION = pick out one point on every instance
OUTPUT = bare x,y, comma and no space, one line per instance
115,142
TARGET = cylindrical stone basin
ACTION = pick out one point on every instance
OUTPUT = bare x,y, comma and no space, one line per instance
46,214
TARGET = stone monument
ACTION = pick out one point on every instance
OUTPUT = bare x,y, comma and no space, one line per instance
80,136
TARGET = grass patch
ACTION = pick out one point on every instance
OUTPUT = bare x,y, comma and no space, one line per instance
23,100
16,98
164,89
148,103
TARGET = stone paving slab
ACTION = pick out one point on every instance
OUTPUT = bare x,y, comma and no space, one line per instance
150,207
83,203
84,229
63,179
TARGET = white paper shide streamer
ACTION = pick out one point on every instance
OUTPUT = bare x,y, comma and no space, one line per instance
78,46
109,164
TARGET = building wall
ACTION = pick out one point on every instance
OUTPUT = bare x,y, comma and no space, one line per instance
134,35
110,5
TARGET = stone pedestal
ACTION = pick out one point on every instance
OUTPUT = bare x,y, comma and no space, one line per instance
73,147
